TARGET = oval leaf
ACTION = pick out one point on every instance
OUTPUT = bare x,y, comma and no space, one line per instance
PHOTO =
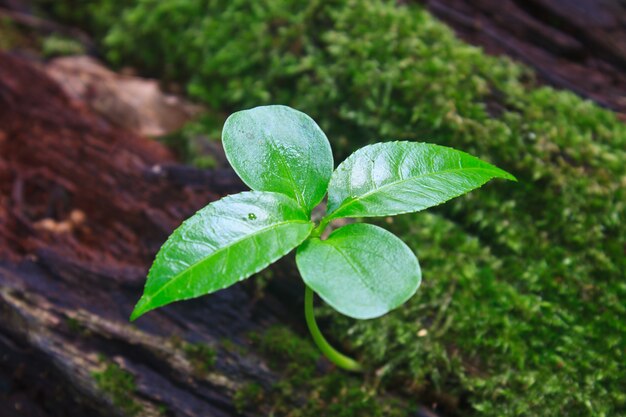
277,148
223,243
361,270
402,177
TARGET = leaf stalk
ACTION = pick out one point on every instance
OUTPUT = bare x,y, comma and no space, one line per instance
339,359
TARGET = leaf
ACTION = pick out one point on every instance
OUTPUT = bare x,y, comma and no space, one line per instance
277,148
223,243
402,177
361,270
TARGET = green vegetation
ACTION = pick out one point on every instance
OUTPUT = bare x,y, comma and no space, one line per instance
202,357
521,310
9,35
361,270
56,45
119,385
16,36
248,397
305,391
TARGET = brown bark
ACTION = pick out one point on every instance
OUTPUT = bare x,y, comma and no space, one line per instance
83,208
578,45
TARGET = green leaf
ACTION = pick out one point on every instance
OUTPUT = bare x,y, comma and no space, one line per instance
402,177
223,243
277,148
361,270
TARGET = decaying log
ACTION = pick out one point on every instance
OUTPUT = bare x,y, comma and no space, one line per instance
578,45
83,208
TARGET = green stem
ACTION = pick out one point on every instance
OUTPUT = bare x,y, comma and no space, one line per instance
335,357
317,232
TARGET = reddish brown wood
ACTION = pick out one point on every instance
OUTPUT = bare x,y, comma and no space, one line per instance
83,208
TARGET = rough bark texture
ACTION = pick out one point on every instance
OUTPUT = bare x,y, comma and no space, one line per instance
83,208
578,45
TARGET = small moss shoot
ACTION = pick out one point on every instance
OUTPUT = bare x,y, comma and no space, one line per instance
248,397
56,45
232,347
120,386
201,356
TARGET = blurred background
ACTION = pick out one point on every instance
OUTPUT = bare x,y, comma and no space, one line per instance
110,120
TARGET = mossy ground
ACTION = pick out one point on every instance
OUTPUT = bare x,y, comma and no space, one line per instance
306,389
521,311
119,385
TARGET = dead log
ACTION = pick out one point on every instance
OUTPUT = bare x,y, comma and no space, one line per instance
578,45
83,208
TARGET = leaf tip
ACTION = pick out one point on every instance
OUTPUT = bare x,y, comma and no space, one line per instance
508,176
504,174
140,309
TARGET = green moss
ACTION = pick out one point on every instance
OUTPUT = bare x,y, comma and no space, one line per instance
305,391
74,325
55,45
201,356
120,386
232,347
15,36
9,35
521,305
281,345
97,16
248,397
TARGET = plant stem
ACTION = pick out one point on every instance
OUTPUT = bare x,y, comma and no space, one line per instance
335,357
317,232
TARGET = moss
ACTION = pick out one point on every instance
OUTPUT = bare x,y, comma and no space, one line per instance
74,325
9,35
248,397
120,386
232,347
201,356
16,36
55,45
328,392
519,311
282,346
97,16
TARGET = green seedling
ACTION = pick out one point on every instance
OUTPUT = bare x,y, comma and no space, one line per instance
361,270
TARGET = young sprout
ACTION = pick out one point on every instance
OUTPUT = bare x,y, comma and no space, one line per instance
361,270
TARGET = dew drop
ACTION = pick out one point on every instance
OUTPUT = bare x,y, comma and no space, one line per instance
251,216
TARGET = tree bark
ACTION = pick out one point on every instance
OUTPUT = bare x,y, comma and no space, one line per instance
578,45
83,208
